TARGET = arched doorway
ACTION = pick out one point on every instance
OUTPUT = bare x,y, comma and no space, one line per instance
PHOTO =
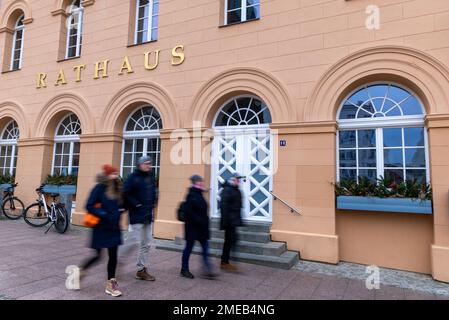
242,143
141,138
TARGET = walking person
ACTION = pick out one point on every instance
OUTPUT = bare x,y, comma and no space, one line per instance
140,196
105,201
230,208
196,227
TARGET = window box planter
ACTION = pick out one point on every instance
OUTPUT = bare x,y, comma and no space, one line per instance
64,189
5,186
403,205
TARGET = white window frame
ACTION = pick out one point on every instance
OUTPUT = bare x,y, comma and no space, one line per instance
17,28
72,139
378,124
243,8
9,143
148,28
140,134
79,10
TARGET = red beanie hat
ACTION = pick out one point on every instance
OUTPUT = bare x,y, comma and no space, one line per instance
109,169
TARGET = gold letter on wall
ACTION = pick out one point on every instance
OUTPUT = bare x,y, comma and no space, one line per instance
41,80
103,68
126,65
177,55
147,60
61,78
78,71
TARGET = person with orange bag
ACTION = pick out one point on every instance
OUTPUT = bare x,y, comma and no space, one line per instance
105,202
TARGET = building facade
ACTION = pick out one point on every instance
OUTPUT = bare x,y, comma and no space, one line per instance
294,94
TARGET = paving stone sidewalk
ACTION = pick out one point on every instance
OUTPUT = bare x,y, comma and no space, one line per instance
33,265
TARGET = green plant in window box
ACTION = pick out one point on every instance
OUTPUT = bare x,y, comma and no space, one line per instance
7,179
60,180
383,188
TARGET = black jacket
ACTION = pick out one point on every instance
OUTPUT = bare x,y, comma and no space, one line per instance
106,233
197,221
230,206
140,196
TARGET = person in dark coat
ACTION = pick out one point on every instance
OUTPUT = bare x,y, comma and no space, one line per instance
230,208
105,202
140,197
196,227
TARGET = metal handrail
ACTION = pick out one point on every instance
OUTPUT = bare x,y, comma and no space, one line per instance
292,209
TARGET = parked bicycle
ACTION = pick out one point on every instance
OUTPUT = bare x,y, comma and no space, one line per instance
39,213
12,207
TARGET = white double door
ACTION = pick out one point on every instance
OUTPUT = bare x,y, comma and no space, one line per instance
247,152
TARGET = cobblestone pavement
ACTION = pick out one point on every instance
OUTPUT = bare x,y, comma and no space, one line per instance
32,266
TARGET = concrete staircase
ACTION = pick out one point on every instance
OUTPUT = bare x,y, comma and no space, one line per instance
254,246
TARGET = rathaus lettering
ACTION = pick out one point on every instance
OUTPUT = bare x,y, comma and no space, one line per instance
101,68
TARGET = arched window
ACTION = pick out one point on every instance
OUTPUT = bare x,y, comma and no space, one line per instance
243,111
147,17
17,45
74,30
382,134
8,149
67,146
141,137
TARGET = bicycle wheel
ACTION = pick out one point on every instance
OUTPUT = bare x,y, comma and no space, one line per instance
13,208
62,220
35,215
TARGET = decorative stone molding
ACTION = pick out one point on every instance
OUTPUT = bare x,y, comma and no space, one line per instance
33,142
101,137
66,102
140,92
241,80
419,71
437,121
305,127
13,6
87,3
58,12
15,111
7,30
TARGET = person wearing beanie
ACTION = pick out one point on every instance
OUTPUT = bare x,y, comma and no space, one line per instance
105,201
196,227
140,196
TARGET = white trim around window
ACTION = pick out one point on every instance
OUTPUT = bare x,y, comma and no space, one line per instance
148,14
19,27
78,24
243,10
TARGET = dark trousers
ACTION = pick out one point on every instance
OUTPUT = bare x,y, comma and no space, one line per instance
188,250
230,239
112,262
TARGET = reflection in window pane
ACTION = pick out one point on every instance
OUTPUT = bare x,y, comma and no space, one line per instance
347,158
234,16
392,137
415,158
394,175
367,138
348,174
234,4
414,137
367,158
369,173
252,13
347,139
393,158
416,175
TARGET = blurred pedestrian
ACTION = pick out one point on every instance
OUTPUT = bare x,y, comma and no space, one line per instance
140,197
105,201
230,209
196,227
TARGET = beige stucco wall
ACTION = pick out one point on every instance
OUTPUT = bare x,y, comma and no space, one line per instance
301,58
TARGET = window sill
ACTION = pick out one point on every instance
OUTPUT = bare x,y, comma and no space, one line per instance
139,44
237,23
400,205
67,59
9,71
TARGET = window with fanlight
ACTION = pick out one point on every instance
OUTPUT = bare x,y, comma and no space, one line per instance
382,135
141,138
66,155
74,29
8,149
17,44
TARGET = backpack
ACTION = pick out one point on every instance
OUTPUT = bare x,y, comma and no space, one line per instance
182,211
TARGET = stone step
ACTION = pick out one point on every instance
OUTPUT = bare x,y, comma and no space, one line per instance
270,248
248,226
285,261
261,237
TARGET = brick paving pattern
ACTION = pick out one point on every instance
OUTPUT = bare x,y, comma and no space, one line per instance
32,266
